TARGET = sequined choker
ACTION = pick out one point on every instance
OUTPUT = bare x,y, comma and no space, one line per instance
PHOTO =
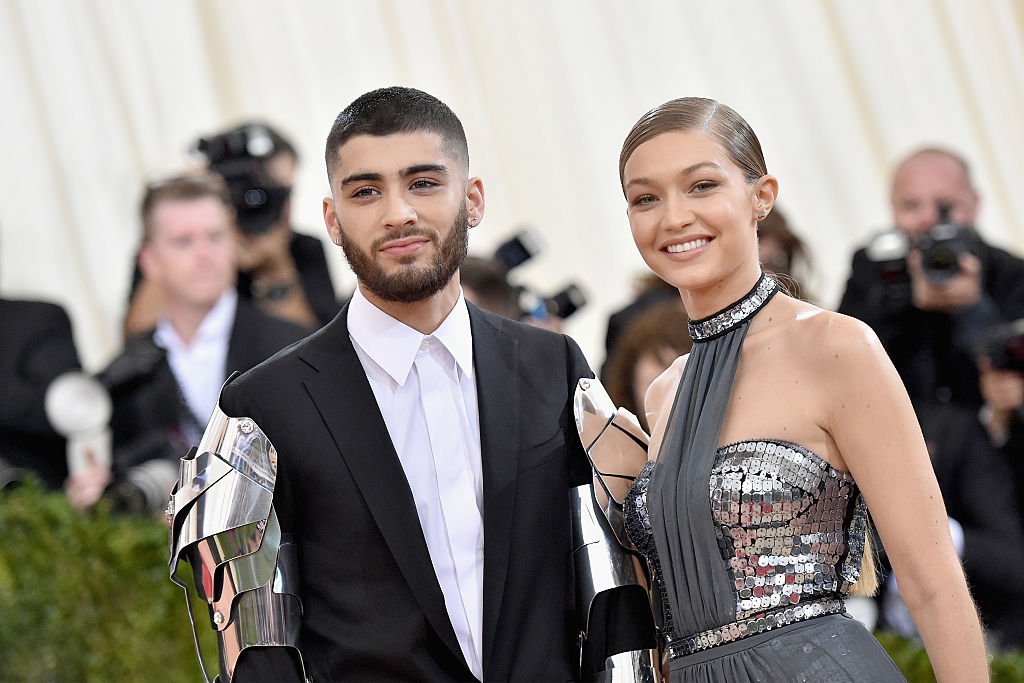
717,324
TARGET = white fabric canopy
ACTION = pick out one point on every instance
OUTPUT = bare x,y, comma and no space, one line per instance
100,95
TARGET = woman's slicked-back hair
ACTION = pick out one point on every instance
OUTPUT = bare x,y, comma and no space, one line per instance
702,115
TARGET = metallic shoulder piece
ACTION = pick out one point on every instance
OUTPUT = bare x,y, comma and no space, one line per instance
225,531
618,641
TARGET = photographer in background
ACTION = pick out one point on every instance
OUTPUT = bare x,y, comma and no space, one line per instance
1001,366
931,287
284,272
486,283
165,383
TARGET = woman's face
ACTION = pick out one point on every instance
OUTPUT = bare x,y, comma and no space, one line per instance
692,212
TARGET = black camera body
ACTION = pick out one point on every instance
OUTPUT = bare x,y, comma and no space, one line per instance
941,249
1004,346
239,156
520,248
942,246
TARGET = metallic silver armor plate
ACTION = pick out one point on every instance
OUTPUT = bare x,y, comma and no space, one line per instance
224,527
611,582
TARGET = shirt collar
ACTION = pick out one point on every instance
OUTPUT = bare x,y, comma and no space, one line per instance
393,345
216,324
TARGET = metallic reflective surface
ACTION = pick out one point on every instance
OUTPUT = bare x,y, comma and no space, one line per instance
791,531
224,528
737,314
604,558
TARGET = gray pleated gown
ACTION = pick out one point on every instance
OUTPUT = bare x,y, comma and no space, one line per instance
753,545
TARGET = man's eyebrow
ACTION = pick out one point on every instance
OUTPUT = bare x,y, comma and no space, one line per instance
686,171
424,168
360,177
415,169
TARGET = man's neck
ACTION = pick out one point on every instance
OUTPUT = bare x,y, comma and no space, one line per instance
425,315
185,320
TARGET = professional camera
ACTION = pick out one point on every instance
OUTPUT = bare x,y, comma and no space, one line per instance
521,248
1004,346
942,246
239,155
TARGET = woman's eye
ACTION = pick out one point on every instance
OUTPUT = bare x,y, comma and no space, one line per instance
643,200
704,186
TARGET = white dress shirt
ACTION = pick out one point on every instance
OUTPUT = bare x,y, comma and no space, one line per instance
200,367
425,388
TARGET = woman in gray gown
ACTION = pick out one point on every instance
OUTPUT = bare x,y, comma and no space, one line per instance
771,440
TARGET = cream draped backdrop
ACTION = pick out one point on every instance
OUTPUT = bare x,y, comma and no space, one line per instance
100,95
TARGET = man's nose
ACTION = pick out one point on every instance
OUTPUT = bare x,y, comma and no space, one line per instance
398,212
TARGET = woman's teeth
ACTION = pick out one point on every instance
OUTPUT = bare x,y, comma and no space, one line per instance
686,246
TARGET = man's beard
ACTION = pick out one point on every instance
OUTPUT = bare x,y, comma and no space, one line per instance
410,283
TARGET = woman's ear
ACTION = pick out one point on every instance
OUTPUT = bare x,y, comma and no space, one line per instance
766,190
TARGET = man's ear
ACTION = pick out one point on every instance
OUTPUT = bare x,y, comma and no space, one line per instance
147,261
474,201
331,220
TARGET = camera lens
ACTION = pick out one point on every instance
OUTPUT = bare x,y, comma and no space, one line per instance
255,197
941,259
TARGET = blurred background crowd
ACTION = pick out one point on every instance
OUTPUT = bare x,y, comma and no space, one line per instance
138,273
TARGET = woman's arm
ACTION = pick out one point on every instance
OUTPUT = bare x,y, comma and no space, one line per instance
658,403
874,426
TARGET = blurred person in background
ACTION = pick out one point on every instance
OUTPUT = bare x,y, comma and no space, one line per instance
283,271
36,347
980,495
165,383
782,253
485,284
653,340
931,287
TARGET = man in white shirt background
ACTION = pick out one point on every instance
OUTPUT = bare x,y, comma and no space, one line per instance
165,382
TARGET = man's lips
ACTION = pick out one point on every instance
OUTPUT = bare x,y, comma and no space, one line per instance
404,247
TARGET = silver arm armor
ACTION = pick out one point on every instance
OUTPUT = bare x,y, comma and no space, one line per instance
225,530
611,581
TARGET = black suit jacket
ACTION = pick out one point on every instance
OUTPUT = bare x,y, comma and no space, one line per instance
148,408
373,608
36,346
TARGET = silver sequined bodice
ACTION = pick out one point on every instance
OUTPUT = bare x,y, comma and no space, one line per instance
790,529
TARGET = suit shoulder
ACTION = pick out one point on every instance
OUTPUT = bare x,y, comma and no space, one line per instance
40,312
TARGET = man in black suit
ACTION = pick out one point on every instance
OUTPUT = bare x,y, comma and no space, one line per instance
165,383
425,448
36,346
931,328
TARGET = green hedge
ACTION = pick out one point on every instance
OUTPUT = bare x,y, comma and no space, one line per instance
87,598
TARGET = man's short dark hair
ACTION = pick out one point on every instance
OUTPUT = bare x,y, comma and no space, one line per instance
387,111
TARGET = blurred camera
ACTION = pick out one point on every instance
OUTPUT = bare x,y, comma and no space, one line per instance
520,248
1004,346
239,156
942,246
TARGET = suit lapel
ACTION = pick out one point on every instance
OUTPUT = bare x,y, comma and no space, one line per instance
496,362
348,408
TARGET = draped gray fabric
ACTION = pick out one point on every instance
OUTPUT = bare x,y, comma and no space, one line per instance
699,593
